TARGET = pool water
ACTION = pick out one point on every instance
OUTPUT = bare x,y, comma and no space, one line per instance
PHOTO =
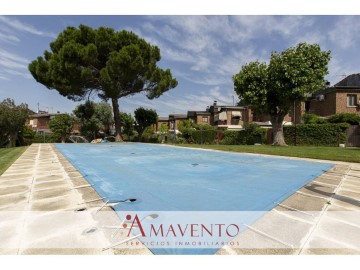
166,178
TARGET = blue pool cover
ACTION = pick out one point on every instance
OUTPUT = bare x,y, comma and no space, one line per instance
166,178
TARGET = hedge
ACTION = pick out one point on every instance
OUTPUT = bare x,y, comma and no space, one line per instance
204,136
316,134
47,138
244,137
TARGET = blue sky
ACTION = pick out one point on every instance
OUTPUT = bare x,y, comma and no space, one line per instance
203,53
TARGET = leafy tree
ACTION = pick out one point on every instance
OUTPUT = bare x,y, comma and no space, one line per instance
290,76
127,123
61,126
184,124
12,120
93,117
164,128
144,118
113,64
103,112
350,118
28,134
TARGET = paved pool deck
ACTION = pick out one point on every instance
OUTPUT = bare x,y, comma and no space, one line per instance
43,181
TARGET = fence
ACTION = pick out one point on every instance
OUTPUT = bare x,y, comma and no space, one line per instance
353,136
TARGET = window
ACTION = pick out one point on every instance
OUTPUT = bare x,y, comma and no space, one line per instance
351,101
205,119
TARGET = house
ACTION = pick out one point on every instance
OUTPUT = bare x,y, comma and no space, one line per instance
162,121
39,122
343,97
228,117
175,119
199,117
293,117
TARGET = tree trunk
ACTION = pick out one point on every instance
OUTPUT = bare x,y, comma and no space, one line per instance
141,132
115,104
13,137
63,138
278,133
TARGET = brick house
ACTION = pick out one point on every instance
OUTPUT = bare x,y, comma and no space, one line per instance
39,122
289,119
175,119
343,97
161,121
228,117
199,117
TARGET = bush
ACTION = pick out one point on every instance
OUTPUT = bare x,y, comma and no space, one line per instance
250,135
203,136
350,118
46,138
313,119
316,134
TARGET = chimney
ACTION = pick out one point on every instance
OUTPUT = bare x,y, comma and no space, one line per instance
215,102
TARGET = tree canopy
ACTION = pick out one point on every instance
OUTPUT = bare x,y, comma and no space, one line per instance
61,125
113,64
144,118
12,121
127,123
289,77
94,117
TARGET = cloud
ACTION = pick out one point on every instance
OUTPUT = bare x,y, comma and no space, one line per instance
13,64
9,38
172,102
4,78
16,24
344,33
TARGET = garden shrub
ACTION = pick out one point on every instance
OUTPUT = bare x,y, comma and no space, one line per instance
350,118
316,134
203,136
250,135
313,119
47,138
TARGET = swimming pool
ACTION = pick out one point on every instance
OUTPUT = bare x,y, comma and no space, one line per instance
166,178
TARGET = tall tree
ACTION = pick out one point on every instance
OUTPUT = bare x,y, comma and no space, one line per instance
289,78
113,64
144,118
12,121
61,125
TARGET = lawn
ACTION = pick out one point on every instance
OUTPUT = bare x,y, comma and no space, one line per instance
315,152
8,156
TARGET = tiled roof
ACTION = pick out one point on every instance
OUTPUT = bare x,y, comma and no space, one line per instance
352,80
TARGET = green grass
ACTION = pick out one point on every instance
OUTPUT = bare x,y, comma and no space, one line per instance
8,156
315,152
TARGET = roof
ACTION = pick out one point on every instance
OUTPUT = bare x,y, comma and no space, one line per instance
38,115
350,82
178,116
163,118
217,108
193,113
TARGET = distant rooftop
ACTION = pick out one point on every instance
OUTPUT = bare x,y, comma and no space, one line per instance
352,80
178,116
37,115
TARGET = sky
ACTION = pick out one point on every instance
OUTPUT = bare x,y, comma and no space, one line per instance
202,52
